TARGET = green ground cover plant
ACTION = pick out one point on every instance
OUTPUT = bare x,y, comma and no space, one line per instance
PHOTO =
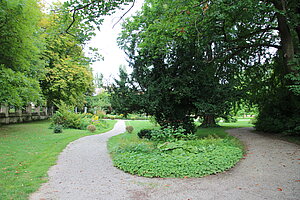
210,151
26,153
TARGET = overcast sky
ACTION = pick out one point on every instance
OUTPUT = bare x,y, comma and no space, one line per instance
106,42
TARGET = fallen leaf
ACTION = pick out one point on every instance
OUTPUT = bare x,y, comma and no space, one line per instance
279,189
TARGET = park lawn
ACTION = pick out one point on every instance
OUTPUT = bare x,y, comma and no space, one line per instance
125,139
27,151
241,122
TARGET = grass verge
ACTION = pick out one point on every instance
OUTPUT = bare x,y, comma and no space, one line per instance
26,153
213,151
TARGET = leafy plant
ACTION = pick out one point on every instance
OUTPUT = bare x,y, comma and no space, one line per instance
175,157
178,159
58,128
170,134
66,117
145,133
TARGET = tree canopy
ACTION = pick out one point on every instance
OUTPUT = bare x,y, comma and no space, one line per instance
68,76
197,58
41,51
21,45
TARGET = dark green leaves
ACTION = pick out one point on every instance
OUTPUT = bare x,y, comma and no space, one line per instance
178,159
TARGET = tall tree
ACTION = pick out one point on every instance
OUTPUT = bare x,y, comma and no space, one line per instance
68,75
172,66
235,40
20,50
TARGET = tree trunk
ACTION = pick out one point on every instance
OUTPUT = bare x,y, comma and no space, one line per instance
209,121
286,37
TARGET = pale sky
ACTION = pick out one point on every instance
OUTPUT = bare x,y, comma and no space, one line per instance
106,42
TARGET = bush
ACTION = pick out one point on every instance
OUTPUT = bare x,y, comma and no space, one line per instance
66,117
100,124
129,129
101,114
170,134
58,128
91,128
84,122
144,133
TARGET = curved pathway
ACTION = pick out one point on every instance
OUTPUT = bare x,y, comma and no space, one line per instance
84,171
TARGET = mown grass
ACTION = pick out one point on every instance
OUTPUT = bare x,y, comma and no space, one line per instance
241,122
26,153
194,158
126,138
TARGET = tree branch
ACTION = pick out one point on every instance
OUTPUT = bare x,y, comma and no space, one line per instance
74,14
133,2
73,21
255,45
236,50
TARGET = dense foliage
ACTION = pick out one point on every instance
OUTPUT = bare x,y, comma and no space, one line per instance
68,75
20,51
192,58
41,50
172,156
67,118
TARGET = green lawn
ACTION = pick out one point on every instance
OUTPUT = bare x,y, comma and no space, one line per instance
26,153
242,122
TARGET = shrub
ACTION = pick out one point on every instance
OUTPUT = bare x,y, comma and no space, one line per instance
84,122
101,114
66,117
129,129
170,134
100,124
144,133
58,128
91,128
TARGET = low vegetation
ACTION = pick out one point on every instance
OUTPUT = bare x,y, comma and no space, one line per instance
26,153
171,153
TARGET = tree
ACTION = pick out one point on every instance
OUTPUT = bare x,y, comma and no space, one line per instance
99,102
172,68
234,40
68,75
20,51
91,11
124,97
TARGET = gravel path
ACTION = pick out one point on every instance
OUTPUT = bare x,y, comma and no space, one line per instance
84,171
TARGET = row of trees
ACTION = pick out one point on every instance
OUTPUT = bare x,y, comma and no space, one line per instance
41,63
41,50
199,58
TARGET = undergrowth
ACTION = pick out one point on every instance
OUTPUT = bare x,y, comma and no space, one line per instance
196,157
